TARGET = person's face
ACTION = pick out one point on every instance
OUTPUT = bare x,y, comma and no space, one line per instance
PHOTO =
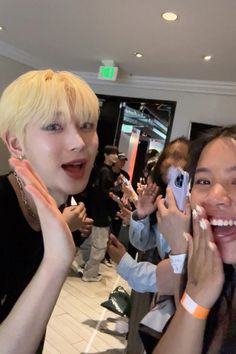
120,163
167,163
214,189
63,154
110,159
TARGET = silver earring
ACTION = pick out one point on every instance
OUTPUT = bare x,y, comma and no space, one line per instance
21,157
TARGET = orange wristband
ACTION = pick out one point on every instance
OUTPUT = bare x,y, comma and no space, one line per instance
193,308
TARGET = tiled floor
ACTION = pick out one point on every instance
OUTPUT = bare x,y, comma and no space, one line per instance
75,325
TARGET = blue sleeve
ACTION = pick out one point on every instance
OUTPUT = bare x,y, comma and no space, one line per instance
141,235
141,276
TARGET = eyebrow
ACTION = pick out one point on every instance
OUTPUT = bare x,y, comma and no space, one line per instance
207,170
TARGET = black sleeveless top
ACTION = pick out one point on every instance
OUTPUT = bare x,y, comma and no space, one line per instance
21,249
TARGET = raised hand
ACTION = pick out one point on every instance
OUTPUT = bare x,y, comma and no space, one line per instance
146,204
115,249
75,216
59,248
172,222
125,215
205,266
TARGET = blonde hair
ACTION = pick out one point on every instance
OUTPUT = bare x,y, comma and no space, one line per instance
40,95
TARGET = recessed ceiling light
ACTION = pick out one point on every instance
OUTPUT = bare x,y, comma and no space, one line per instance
207,57
169,16
2,28
138,55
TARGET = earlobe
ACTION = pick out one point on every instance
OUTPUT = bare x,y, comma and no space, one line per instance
14,146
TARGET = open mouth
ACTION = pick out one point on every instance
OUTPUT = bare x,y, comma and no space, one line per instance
74,170
223,228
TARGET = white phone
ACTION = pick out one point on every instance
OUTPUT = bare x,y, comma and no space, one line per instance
178,181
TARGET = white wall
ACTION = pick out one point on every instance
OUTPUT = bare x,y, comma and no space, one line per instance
9,71
215,109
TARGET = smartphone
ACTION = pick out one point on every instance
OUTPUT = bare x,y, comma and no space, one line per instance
116,199
178,181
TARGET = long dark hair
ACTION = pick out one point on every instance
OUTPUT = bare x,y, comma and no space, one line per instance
226,296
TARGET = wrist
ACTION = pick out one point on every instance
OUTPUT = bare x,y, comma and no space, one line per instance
180,248
193,308
139,215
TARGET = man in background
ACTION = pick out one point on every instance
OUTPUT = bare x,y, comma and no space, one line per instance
102,210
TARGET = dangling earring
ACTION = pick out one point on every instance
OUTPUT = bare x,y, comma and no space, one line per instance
21,157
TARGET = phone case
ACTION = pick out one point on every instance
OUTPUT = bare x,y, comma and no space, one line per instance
178,180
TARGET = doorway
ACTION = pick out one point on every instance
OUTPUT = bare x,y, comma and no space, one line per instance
136,126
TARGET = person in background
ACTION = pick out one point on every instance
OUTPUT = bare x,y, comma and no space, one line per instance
48,122
122,178
205,318
102,210
144,233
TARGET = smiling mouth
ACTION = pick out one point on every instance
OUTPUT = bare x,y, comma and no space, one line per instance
223,228
223,222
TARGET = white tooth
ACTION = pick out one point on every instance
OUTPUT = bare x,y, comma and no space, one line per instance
225,222
220,222
214,222
231,222
235,222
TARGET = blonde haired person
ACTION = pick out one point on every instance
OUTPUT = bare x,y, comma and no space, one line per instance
48,122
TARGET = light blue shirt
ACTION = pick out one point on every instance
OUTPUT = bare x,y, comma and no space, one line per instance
144,236
141,276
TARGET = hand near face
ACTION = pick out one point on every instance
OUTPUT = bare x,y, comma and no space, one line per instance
59,248
115,249
205,266
146,204
75,216
172,223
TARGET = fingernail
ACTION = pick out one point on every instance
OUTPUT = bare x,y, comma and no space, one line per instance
211,245
194,213
185,236
203,224
199,209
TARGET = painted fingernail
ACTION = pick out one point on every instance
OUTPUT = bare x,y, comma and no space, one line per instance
203,224
185,236
199,209
211,245
194,214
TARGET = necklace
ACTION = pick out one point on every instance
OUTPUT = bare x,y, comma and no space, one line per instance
23,196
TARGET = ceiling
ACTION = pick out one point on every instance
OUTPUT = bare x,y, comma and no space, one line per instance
77,34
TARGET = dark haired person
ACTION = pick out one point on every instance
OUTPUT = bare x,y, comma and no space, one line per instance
102,209
204,322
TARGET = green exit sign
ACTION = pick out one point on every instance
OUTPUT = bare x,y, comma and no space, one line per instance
108,73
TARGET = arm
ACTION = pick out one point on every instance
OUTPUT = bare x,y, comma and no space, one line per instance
140,276
205,281
26,323
184,335
140,234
